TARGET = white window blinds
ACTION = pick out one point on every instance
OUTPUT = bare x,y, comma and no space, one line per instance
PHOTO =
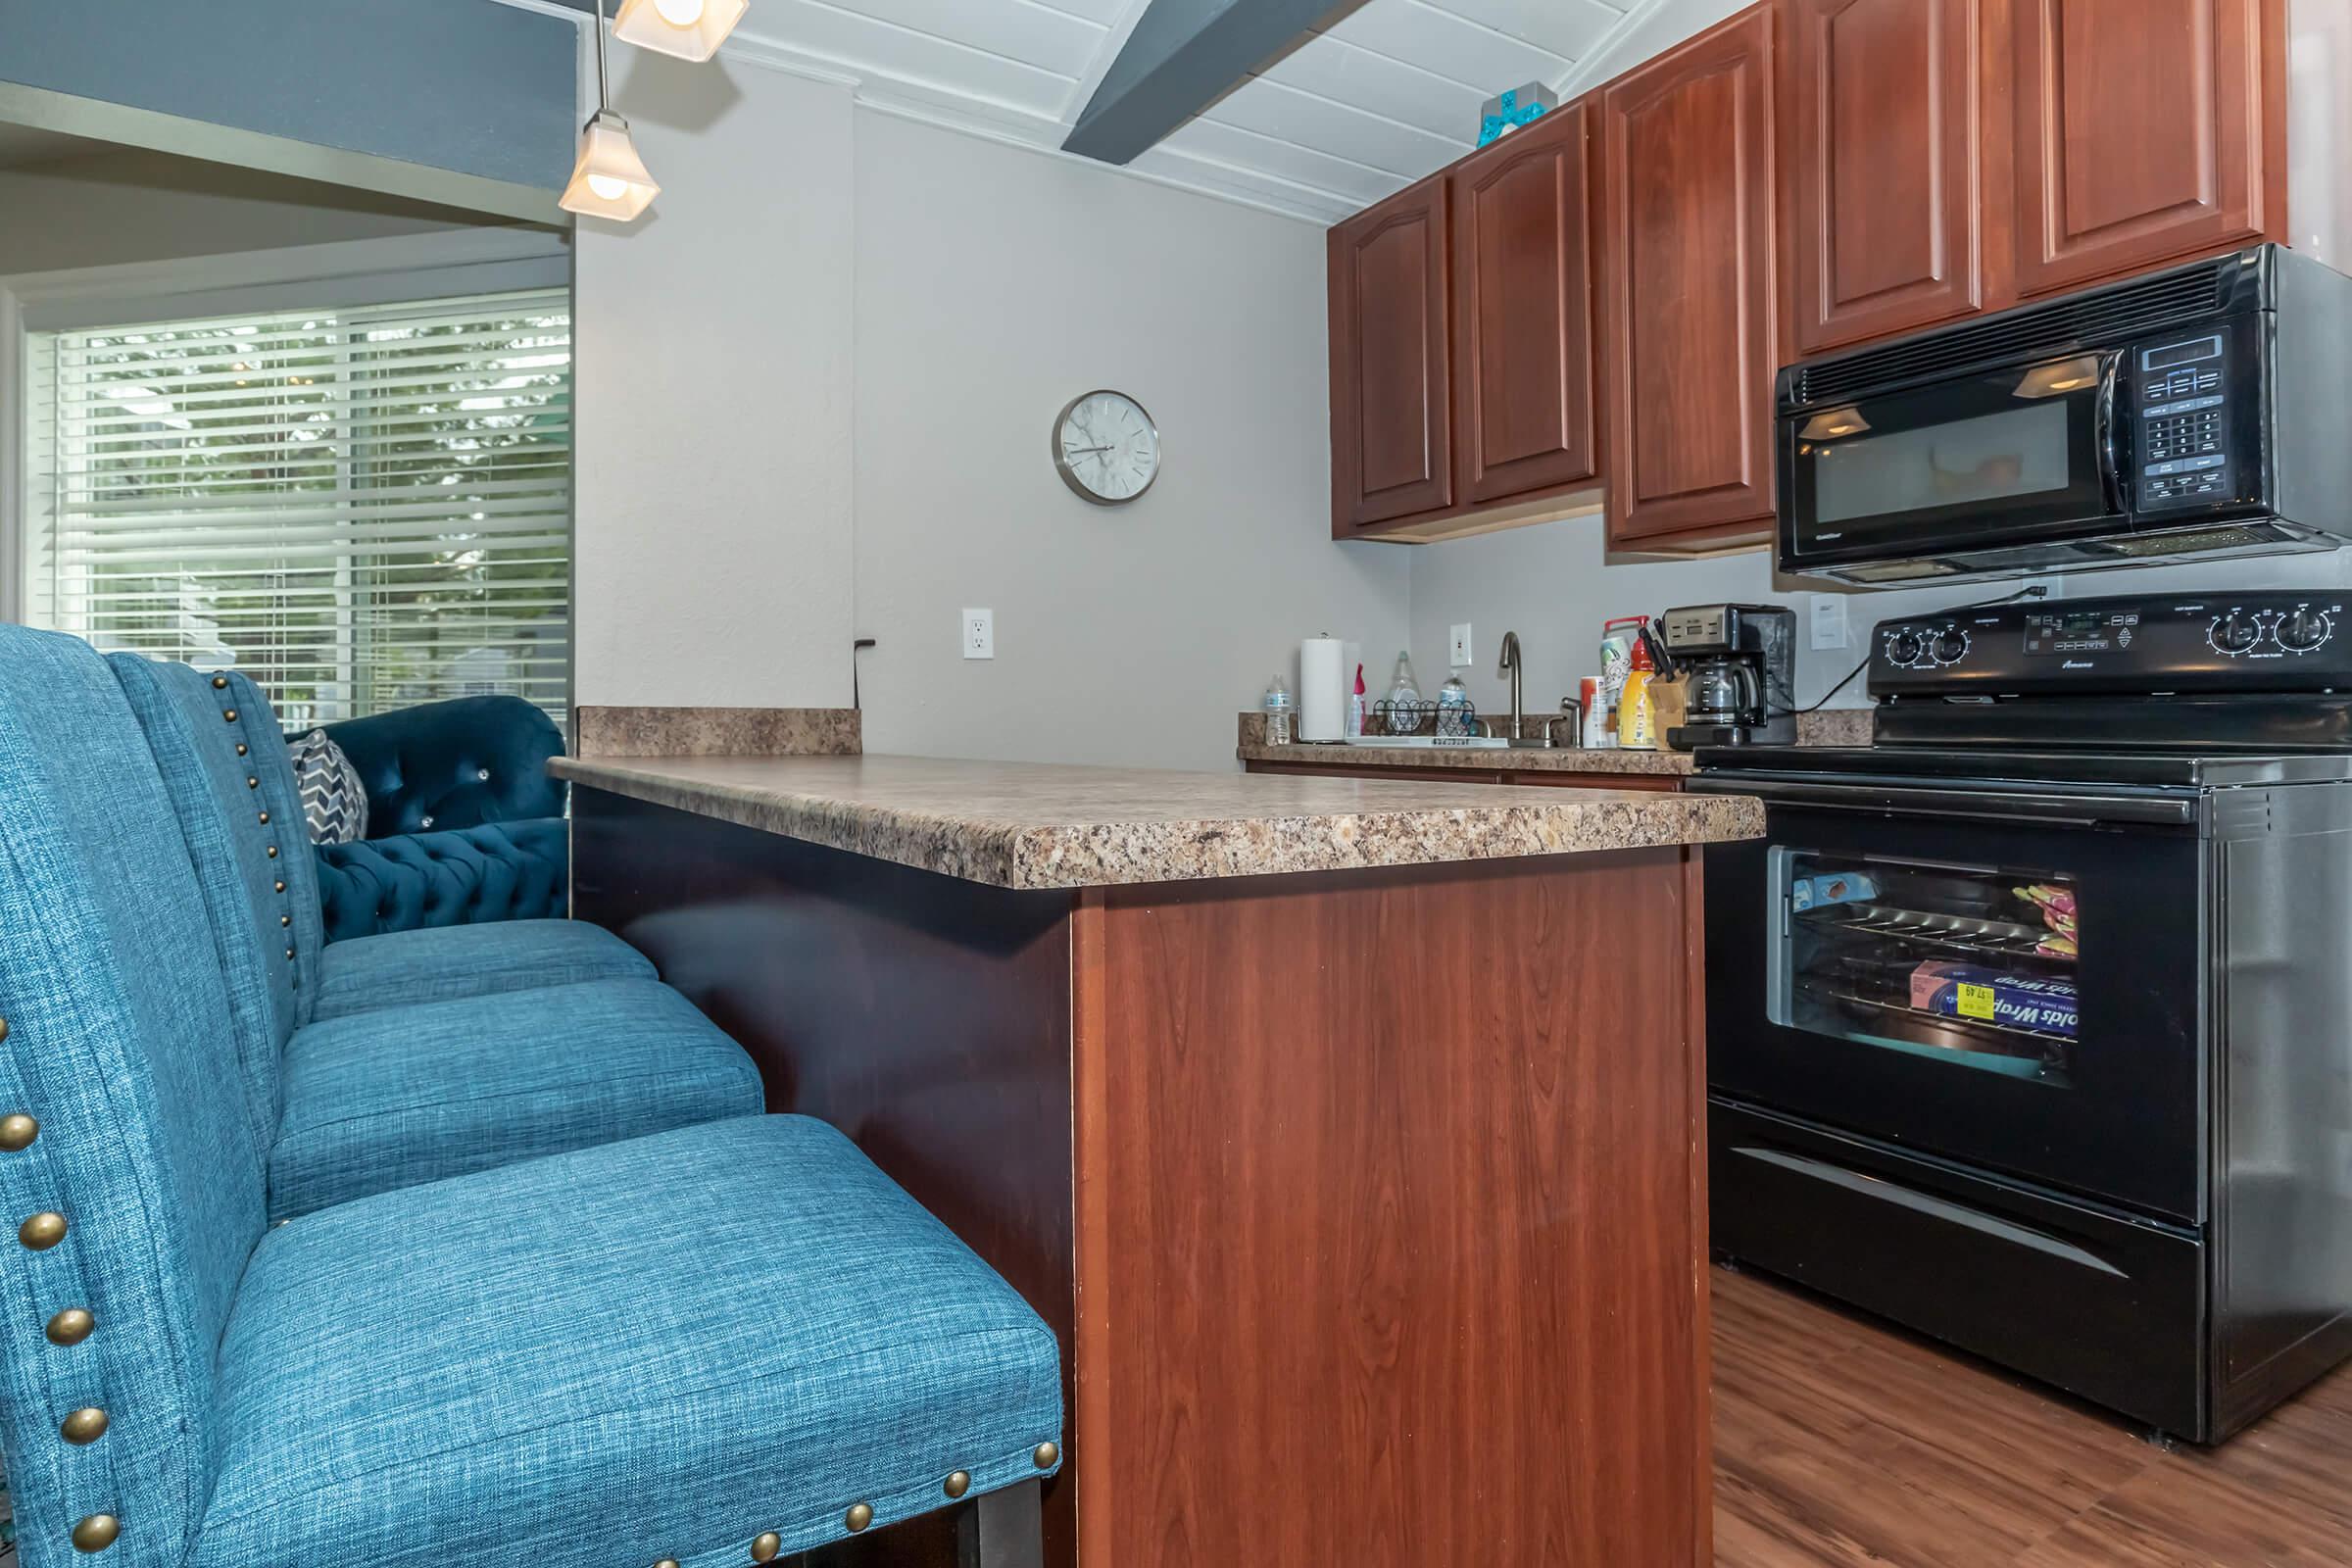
362,510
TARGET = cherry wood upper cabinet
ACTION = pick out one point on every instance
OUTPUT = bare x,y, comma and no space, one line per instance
1390,388
1523,310
1688,289
1881,139
2146,129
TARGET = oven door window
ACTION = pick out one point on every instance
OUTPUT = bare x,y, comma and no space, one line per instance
2023,451
1969,965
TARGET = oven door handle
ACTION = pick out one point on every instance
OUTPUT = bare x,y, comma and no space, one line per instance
2107,433
1943,1208
2023,805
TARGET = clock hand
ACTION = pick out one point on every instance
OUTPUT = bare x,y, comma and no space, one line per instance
1075,452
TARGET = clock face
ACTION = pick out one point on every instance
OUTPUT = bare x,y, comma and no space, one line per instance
1105,448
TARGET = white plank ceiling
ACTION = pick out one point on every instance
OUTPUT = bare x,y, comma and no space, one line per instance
1389,93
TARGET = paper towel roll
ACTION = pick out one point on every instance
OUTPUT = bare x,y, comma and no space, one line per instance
1322,710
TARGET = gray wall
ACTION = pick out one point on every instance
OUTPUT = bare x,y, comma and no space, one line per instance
816,393
464,85
712,369
993,285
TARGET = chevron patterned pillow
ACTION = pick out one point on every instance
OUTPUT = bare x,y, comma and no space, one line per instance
333,800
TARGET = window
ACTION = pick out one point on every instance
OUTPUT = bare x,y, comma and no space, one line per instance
361,508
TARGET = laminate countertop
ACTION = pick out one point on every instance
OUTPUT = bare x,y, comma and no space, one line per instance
1041,826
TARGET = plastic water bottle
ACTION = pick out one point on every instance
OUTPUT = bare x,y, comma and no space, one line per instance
1454,710
1278,714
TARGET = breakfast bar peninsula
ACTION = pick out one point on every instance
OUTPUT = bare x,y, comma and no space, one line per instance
1348,1133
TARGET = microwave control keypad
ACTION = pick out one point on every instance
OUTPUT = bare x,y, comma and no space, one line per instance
2181,429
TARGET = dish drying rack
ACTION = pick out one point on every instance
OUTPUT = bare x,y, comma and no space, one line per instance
1434,721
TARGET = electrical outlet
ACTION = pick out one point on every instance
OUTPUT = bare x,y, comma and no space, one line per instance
1460,658
979,634
1828,621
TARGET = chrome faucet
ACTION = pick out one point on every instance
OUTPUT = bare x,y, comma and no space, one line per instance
1511,666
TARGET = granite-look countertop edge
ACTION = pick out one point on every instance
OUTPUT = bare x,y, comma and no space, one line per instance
1166,843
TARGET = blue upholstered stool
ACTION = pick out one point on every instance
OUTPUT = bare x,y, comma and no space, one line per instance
713,1347
409,1056
214,737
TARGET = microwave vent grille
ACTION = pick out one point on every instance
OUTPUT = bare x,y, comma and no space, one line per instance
2035,330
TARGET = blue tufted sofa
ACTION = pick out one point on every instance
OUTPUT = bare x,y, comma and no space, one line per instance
465,825
560,1329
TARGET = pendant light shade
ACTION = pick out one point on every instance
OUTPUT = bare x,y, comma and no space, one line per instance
691,29
609,181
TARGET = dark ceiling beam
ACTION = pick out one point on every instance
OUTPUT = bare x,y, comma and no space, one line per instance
1182,56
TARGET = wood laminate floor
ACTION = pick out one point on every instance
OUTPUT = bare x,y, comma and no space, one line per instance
1840,1440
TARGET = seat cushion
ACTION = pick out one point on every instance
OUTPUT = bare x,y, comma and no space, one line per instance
376,1101
446,962
653,1350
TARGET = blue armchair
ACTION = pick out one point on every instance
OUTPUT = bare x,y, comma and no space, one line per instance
465,825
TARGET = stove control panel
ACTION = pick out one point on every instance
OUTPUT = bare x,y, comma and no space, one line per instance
2252,642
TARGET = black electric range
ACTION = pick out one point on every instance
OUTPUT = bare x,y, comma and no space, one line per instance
2029,1024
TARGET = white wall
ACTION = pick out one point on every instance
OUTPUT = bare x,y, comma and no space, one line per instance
993,284
1550,584
816,392
712,385
136,206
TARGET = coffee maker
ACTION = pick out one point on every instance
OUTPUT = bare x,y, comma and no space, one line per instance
1738,664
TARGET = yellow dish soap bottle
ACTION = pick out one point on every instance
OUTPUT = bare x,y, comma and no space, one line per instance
1637,710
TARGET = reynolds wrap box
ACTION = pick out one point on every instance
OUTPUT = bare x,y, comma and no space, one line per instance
1989,995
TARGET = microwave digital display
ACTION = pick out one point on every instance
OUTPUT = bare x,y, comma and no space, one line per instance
2187,352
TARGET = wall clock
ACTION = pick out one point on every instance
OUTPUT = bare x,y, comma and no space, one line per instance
1105,448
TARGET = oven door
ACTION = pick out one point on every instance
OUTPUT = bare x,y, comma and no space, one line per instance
2013,982
2017,456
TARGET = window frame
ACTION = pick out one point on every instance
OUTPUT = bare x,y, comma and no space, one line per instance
344,275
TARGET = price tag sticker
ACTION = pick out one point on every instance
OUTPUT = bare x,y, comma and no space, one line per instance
1976,1001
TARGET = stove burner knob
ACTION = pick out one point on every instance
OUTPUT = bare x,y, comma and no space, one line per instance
1952,646
1905,646
2303,632
2234,633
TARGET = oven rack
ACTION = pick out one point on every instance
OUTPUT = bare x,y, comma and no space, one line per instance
1967,1028
1991,939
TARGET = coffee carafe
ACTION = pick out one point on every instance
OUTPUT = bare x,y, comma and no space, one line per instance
1739,665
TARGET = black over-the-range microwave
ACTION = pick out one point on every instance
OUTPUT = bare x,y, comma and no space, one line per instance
2202,410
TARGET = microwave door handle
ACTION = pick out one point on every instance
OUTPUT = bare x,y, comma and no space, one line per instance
2107,433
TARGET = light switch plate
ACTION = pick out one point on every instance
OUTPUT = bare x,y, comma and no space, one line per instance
1828,621
979,634
1460,658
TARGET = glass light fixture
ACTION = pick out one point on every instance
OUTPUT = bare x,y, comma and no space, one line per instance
691,29
609,181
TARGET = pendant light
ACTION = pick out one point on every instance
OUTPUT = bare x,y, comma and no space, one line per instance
691,29
609,181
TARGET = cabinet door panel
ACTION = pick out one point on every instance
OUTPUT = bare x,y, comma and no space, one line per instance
1687,316
2140,133
1880,158
1390,419
1523,301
